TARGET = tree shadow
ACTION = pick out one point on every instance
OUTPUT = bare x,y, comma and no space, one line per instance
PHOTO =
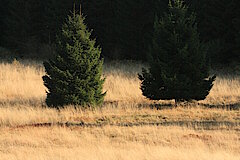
162,106
115,104
232,106
27,102
197,125
151,105
157,106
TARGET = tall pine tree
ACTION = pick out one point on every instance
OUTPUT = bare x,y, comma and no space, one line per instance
103,16
135,25
74,75
178,66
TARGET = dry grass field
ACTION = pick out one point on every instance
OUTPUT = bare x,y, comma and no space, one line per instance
126,127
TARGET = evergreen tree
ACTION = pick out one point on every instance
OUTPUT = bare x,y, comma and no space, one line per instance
55,12
124,27
74,75
135,24
216,25
236,21
3,15
178,65
24,26
105,24
18,24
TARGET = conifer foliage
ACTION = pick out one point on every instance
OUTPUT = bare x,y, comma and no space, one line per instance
73,77
178,62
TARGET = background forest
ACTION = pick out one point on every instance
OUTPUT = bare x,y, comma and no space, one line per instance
123,28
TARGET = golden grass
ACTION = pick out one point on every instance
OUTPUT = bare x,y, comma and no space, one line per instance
120,115
114,143
226,90
127,126
22,83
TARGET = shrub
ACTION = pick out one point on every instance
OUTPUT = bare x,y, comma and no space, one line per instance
74,74
178,62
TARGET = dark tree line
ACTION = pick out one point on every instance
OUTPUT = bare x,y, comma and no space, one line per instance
123,28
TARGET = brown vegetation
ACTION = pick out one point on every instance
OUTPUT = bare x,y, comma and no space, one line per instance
127,126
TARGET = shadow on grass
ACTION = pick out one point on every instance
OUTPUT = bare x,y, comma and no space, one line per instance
233,106
153,105
196,125
159,106
115,104
171,105
26,102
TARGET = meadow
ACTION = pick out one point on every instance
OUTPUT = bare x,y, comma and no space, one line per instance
126,126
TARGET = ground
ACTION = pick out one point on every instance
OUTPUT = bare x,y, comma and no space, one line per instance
126,126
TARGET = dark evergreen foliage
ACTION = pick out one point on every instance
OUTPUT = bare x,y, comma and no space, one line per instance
178,65
17,24
74,75
27,24
216,19
123,28
135,26
103,16
236,22
3,15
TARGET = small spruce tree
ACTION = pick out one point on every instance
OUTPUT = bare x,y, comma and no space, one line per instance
178,62
73,76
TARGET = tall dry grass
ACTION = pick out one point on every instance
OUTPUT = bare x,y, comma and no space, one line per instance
120,115
22,82
125,127
118,143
